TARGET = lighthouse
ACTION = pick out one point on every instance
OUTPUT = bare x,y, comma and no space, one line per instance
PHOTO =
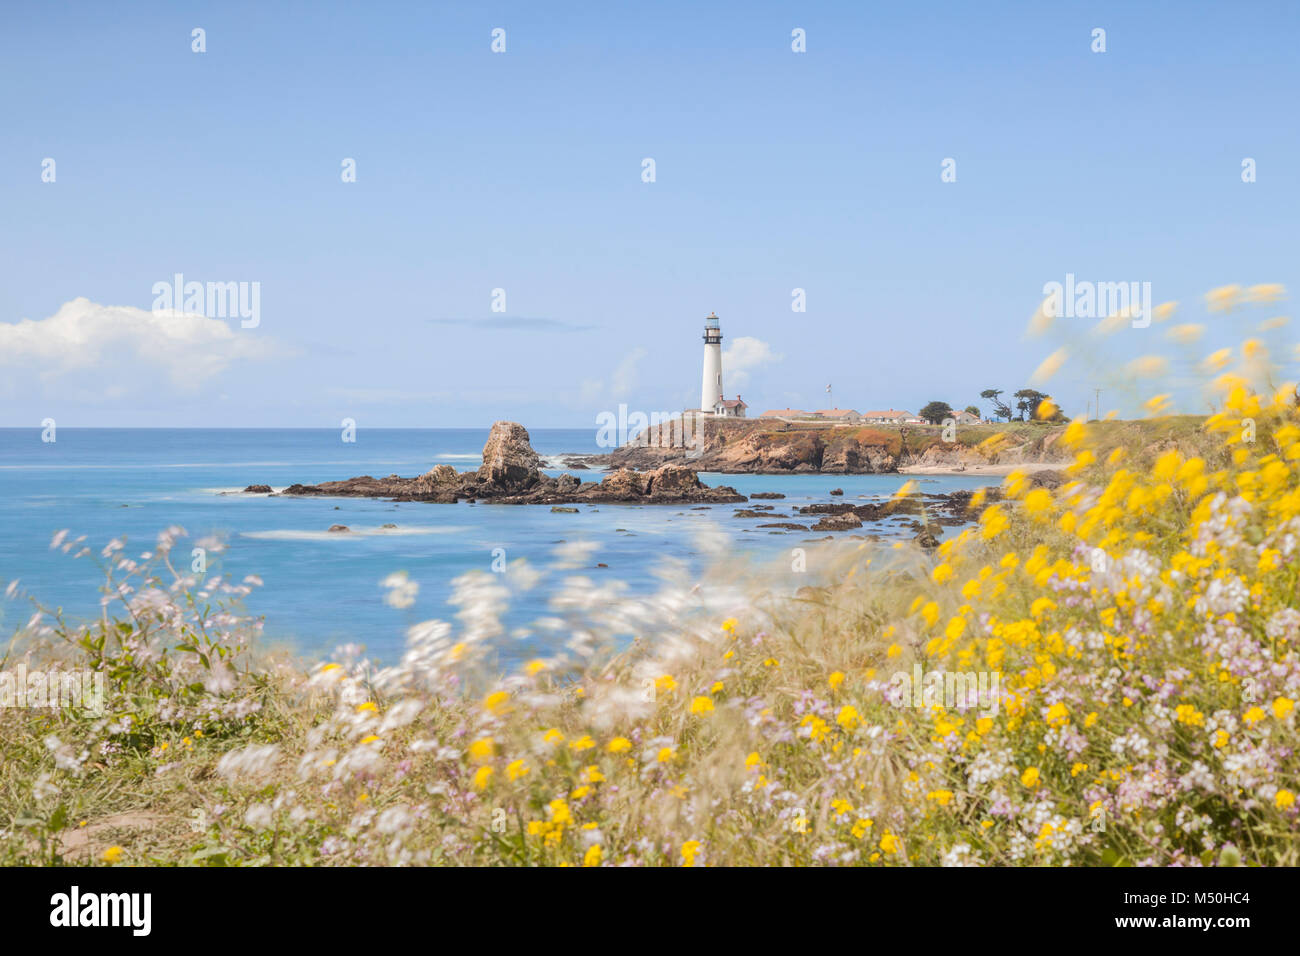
711,387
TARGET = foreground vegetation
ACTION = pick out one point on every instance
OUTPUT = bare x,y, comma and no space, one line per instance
1140,623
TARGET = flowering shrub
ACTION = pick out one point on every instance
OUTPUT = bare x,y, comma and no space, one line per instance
1134,629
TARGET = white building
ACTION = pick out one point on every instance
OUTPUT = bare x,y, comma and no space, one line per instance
711,387
712,401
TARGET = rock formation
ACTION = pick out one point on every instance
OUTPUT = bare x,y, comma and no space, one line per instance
511,474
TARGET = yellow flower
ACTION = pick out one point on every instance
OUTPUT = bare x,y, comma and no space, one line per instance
370,739
559,811
1254,715
535,666
701,705
893,650
690,850
482,776
753,760
729,625
890,843
112,854
495,703
1077,769
1284,799
941,797
553,736
482,749
582,743
665,755
941,573
516,769
835,680
1057,714
1282,707
593,855
848,717
619,745
368,706
665,684
1030,777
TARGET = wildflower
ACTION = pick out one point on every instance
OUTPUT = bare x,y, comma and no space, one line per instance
593,855
112,854
368,707
701,706
941,573
1030,777
369,739
619,745
553,736
665,755
481,777
516,769
690,850
665,684
941,797
1282,707
1284,800
729,625
890,843
1254,715
482,749
835,680
582,743
495,703
848,717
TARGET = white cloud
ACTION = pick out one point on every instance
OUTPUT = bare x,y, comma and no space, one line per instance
622,380
112,350
742,356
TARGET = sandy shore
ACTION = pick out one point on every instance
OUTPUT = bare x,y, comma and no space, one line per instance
978,470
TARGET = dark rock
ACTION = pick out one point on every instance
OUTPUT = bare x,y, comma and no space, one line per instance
845,521
837,491
557,509
767,494
508,459
257,490
339,527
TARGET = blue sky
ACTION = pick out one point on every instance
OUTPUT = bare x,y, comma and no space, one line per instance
522,171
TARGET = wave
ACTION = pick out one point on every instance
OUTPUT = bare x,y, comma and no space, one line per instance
290,534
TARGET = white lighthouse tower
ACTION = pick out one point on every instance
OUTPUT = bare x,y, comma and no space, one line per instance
711,387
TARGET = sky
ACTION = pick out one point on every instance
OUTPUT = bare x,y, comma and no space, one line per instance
523,171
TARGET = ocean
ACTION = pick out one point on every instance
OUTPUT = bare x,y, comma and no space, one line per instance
322,589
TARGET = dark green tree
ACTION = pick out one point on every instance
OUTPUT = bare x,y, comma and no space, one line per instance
1028,400
1000,408
936,412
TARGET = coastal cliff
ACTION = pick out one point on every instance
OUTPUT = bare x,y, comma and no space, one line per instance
760,447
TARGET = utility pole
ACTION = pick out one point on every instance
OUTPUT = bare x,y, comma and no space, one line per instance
1098,404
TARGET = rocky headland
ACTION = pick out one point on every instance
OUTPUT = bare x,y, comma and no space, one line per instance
753,446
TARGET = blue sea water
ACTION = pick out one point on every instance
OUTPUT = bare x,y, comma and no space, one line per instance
322,589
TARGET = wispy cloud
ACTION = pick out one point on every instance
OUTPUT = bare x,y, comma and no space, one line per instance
742,356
